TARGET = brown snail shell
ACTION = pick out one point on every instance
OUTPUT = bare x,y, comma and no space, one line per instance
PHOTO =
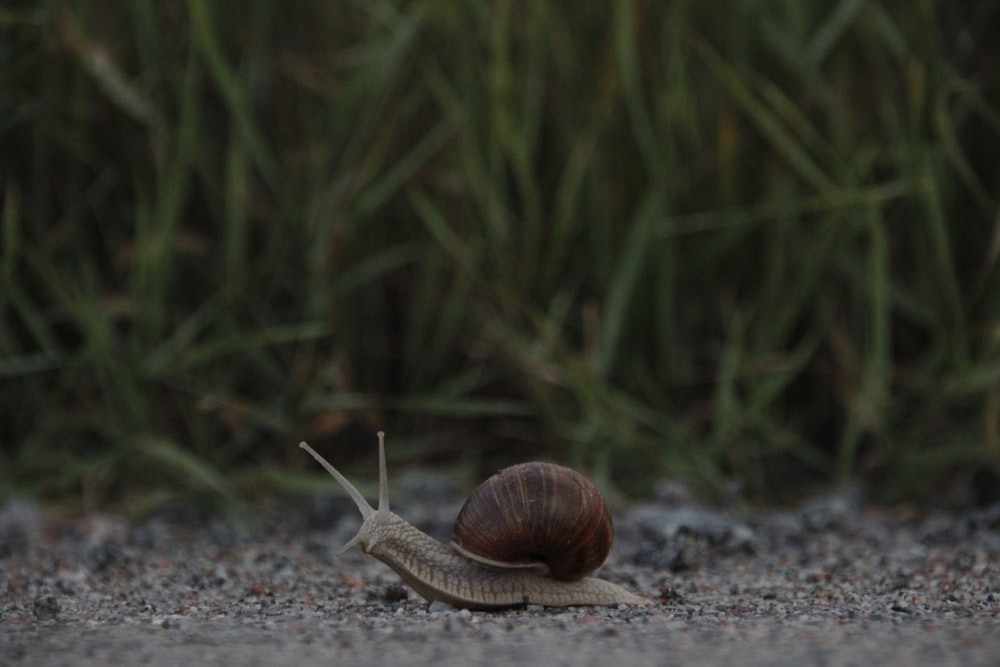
536,513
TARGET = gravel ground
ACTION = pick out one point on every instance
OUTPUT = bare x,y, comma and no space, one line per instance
829,583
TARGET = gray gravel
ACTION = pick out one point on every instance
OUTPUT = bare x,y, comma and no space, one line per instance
829,583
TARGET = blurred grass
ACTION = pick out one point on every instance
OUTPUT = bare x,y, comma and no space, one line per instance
729,243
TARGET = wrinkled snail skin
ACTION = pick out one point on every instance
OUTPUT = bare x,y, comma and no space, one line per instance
438,571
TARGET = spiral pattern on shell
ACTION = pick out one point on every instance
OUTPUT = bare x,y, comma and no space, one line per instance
537,512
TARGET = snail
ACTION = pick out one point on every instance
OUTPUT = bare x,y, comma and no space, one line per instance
482,568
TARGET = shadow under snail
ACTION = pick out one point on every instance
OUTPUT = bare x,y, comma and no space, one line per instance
528,535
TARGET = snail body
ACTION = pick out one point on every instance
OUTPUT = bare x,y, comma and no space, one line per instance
470,572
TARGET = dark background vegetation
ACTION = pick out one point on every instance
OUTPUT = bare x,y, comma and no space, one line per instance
752,245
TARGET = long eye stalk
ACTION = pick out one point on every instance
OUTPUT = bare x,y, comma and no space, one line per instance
359,500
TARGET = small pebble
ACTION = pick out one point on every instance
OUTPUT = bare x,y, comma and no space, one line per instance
45,608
